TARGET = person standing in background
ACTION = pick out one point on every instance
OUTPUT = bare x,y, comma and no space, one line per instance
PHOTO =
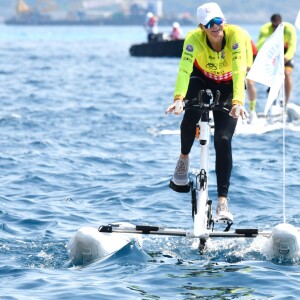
251,52
290,42
151,26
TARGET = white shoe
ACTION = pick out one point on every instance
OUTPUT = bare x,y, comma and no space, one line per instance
223,213
252,117
180,176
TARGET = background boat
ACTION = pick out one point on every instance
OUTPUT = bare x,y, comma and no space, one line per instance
163,48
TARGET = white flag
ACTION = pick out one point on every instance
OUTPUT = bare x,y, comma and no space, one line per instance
268,66
297,21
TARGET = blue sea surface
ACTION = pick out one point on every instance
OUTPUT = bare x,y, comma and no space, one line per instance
80,147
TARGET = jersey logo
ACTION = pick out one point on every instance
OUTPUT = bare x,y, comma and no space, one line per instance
235,46
189,48
211,66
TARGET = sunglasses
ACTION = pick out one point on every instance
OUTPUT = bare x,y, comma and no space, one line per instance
217,21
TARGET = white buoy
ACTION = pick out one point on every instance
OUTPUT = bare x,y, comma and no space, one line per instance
293,111
284,241
88,244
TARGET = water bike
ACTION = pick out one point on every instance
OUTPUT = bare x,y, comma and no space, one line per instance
201,204
90,243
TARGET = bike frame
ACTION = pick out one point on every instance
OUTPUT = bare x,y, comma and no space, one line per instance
201,205
202,208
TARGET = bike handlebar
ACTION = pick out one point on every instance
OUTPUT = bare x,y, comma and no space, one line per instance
209,104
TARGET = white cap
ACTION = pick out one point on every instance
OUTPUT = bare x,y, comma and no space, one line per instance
176,25
208,11
149,14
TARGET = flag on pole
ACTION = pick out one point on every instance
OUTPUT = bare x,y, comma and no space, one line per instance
297,21
268,66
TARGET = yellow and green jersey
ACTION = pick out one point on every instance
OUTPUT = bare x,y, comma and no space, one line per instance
290,38
228,65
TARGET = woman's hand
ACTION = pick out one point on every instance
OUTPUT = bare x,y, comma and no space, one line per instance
176,108
237,110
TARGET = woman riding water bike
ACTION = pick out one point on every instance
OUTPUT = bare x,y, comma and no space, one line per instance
213,57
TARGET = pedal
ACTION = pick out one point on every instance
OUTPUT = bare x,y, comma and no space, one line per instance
222,221
180,188
227,222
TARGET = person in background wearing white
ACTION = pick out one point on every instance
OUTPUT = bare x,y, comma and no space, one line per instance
176,32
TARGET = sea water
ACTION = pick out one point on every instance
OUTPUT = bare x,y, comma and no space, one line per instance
80,147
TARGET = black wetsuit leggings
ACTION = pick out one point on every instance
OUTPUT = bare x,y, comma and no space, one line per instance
224,129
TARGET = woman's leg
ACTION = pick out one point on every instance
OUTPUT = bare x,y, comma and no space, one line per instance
191,116
188,130
224,130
